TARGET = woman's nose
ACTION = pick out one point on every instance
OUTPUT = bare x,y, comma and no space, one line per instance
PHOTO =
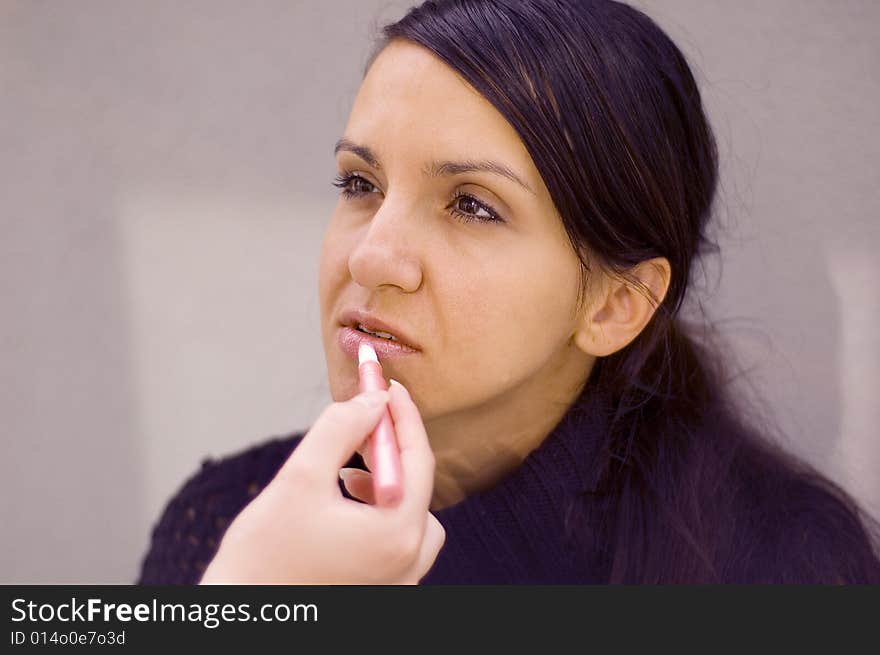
384,256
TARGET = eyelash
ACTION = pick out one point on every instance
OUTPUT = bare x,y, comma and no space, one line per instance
346,178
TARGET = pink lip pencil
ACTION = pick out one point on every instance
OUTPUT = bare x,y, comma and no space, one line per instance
384,451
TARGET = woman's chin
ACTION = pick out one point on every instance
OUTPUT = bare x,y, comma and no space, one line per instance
343,389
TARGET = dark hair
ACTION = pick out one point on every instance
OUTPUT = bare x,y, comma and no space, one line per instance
612,117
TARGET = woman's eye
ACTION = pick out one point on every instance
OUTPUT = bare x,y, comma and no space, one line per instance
470,206
468,209
353,185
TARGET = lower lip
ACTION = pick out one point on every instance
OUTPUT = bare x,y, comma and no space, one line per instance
350,339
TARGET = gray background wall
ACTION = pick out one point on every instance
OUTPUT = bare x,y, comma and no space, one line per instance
165,175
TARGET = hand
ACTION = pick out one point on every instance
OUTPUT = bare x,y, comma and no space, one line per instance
302,530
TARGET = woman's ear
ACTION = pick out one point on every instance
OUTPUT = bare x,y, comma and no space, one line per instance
619,310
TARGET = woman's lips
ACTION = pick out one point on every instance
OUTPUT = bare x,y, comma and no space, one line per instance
350,339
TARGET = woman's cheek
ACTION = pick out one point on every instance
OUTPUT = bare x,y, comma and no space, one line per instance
486,367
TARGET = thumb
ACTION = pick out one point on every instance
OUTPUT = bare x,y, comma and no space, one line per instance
359,484
336,434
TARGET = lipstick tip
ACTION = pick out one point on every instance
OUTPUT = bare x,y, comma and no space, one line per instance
366,353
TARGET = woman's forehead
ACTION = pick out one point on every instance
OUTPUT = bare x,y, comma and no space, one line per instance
410,96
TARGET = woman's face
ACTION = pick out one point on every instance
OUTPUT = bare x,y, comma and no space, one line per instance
475,268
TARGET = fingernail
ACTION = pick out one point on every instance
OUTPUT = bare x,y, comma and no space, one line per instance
393,381
372,399
345,474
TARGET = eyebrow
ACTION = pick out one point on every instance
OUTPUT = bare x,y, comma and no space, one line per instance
437,168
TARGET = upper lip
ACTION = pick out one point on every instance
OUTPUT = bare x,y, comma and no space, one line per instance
355,317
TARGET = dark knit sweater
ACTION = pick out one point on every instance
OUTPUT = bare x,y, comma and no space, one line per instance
519,531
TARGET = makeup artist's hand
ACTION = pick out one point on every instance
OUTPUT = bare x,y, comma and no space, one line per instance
302,530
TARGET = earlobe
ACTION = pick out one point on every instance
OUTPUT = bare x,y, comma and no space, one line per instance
594,343
592,336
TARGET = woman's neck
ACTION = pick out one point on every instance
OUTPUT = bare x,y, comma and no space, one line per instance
476,448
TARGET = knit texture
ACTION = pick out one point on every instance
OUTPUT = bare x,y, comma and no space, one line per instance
519,531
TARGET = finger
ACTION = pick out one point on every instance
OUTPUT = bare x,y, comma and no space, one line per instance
359,484
336,434
364,451
416,456
432,542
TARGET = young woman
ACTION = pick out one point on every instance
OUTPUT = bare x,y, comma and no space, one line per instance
525,187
